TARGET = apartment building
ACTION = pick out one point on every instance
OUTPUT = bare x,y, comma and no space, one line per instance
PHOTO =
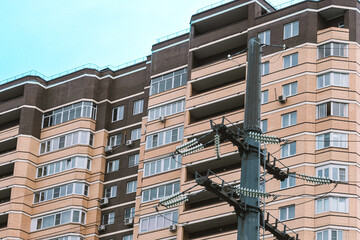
88,154
69,153
309,97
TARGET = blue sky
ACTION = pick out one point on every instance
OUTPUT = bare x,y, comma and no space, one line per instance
54,36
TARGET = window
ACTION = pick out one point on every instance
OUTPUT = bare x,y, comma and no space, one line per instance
110,192
68,113
291,29
159,221
331,109
113,166
166,110
160,192
61,191
287,213
70,139
127,237
288,119
129,213
131,186
168,81
59,218
63,165
289,89
332,204
331,139
115,140
333,79
138,106
332,49
68,238
264,37
133,160
118,113
264,125
288,150
265,68
108,218
166,137
334,172
264,96
329,235
162,165
135,134
290,60
288,182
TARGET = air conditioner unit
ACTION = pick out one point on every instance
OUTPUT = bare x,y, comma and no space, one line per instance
282,99
101,228
128,221
108,149
162,118
172,228
104,201
129,143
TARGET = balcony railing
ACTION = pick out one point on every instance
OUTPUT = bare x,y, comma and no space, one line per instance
214,5
173,35
85,66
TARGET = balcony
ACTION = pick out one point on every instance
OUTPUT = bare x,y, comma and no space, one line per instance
223,78
6,170
5,195
218,107
8,145
218,50
3,220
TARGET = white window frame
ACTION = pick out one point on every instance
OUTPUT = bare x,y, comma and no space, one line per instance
113,166
265,68
162,165
129,213
166,110
289,119
264,96
294,29
337,109
63,165
331,47
108,218
115,140
128,237
131,187
138,106
135,134
292,89
332,171
264,125
287,209
66,140
328,234
117,113
110,191
333,139
333,205
288,182
168,81
57,219
61,191
165,190
134,160
333,79
292,59
265,37
286,150
159,221
165,137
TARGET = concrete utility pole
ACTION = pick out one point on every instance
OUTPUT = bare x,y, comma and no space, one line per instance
248,226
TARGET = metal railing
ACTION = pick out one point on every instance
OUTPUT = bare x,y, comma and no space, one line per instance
292,2
173,35
214,5
85,66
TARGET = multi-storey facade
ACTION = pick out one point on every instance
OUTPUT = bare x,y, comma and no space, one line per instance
88,155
